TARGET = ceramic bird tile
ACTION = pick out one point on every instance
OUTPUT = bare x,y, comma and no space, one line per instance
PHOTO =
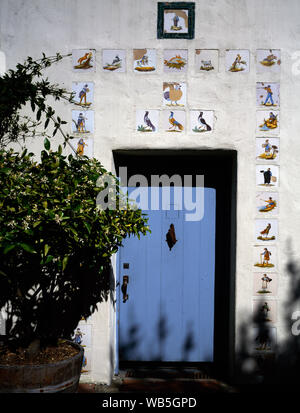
174,121
147,120
201,121
174,94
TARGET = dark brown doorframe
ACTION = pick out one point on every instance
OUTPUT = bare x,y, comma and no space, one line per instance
219,168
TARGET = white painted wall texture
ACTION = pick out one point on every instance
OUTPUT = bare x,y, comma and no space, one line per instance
31,27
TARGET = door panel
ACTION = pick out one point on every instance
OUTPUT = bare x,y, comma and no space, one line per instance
169,315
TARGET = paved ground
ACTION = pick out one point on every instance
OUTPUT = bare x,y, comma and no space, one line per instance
157,386
164,381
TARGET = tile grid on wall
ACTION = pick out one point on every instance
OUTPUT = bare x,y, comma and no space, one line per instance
265,299
83,128
83,125
200,121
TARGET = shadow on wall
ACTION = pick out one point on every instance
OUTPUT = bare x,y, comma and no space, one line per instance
262,364
158,352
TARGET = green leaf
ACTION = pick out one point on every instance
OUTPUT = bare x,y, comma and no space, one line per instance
47,144
88,226
27,247
39,114
8,248
65,262
46,249
74,231
49,259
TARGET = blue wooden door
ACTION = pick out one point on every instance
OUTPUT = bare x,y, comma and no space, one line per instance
169,314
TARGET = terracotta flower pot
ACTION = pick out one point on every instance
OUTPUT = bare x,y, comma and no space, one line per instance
59,377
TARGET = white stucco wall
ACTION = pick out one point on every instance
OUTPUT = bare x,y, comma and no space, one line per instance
31,27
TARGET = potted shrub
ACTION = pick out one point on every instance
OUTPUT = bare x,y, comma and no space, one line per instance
56,245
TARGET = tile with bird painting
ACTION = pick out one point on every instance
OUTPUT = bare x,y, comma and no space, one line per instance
201,121
174,121
174,94
147,120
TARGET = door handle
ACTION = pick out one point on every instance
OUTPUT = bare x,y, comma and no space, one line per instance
124,288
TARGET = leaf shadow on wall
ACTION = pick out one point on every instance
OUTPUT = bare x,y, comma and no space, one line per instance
273,366
158,351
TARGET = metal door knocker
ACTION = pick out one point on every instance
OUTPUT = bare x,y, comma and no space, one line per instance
171,237
124,288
